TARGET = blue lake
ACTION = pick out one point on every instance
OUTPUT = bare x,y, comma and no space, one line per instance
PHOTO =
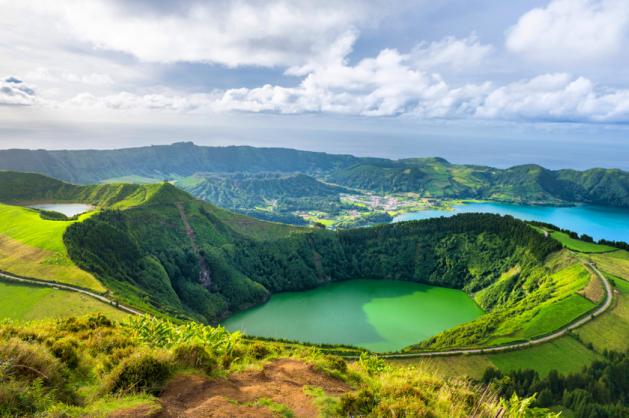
598,222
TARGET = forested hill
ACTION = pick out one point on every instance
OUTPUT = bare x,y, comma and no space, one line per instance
179,255
430,177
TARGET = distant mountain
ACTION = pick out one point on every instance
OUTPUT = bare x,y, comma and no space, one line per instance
522,184
164,161
431,177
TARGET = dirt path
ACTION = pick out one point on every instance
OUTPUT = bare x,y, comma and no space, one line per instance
245,394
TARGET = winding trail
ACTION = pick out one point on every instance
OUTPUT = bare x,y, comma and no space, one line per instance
101,298
536,341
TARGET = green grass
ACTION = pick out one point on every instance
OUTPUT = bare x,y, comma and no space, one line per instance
616,263
464,365
557,315
33,247
565,354
610,331
24,302
578,245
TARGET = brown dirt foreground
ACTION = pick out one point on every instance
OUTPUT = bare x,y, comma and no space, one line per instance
281,381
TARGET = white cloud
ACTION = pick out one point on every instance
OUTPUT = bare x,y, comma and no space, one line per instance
232,33
385,86
572,30
555,97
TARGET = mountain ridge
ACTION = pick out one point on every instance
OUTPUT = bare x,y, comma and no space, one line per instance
429,177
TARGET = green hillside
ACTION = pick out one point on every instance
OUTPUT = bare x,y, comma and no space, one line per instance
31,246
429,177
523,184
267,194
32,243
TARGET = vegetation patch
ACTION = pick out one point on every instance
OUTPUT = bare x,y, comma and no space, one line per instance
26,302
122,367
580,245
616,263
611,330
33,247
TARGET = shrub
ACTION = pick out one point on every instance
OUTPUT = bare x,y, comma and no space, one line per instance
144,371
105,341
336,363
74,324
19,399
30,362
194,356
359,403
259,350
65,350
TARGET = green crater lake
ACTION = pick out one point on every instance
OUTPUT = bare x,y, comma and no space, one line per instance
379,315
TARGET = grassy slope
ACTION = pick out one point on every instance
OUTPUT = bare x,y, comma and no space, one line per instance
616,263
567,354
22,302
33,247
580,246
95,367
545,303
611,331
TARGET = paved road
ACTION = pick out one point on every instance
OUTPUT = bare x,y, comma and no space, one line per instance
560,333
71,288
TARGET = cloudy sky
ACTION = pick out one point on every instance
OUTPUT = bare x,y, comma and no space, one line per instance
521,78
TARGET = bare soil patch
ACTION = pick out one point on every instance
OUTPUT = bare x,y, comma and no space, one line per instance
281,381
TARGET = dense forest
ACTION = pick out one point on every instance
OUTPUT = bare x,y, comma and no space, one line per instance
145,255
599,390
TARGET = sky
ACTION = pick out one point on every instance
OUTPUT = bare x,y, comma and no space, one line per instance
489,81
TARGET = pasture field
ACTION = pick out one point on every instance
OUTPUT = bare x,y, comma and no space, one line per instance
33,247
25,302
610,331
616,263
578,245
